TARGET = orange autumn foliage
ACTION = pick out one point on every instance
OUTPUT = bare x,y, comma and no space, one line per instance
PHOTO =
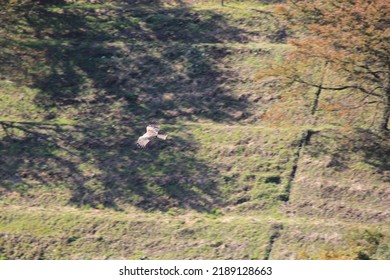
350,37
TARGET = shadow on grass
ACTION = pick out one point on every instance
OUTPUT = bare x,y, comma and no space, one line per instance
105,172
115,67
166,175
158,61
374,149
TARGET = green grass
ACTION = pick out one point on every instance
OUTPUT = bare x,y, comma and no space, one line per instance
88,231
97,74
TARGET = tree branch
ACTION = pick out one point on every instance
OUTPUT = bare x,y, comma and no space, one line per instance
340,88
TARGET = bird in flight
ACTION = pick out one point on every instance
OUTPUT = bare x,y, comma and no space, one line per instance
152,132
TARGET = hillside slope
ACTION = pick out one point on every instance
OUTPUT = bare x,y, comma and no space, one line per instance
79,83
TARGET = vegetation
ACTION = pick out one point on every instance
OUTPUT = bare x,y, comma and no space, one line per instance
252,169
347,38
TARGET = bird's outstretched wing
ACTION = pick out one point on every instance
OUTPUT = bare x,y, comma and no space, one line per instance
143,140
162,136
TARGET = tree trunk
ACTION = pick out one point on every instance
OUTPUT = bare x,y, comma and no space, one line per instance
386,112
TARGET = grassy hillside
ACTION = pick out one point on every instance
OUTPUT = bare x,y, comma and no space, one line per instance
79,81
